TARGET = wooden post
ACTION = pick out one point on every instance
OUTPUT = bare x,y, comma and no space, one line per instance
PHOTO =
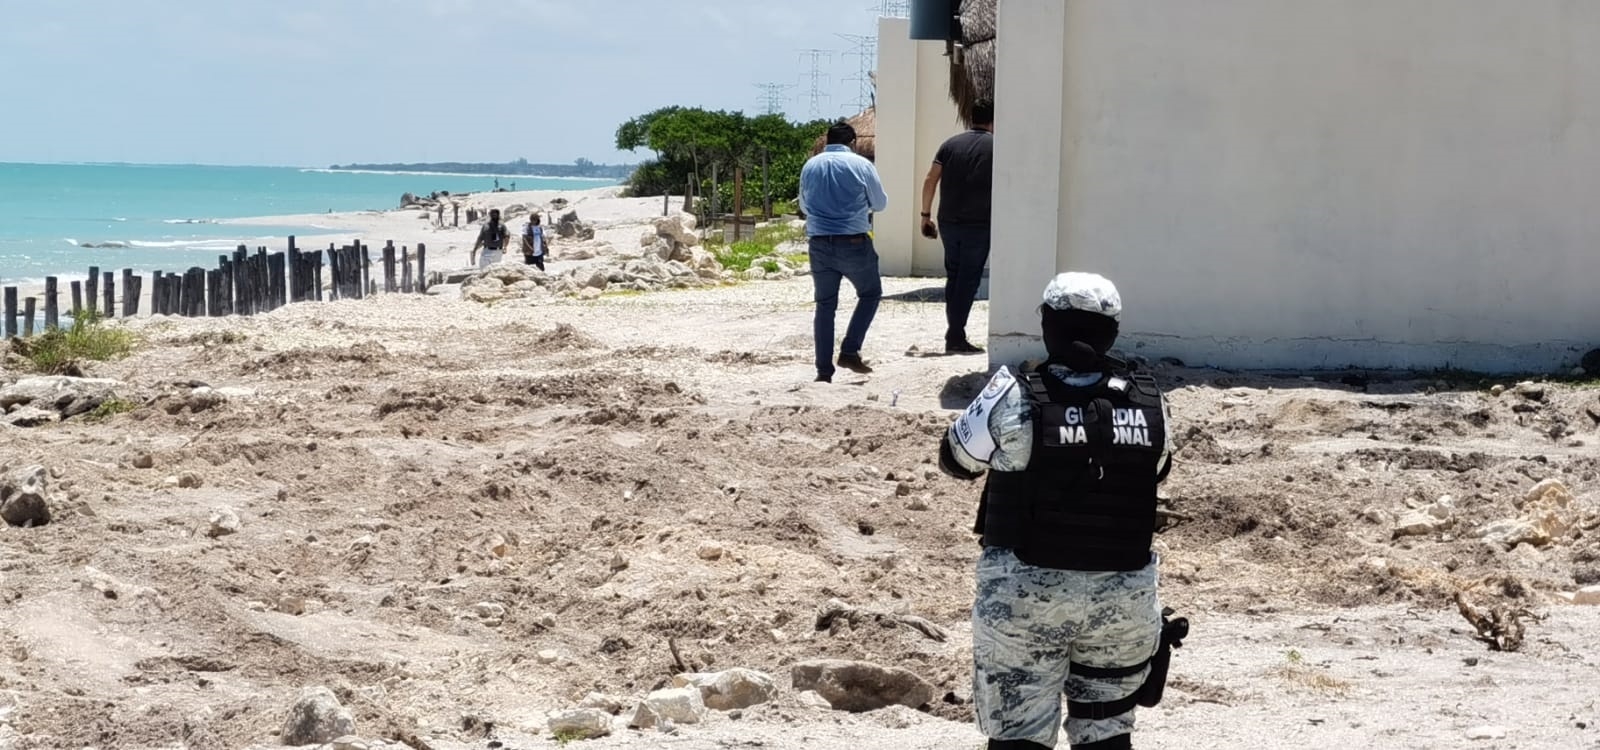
766,190
241,299
422,267
77,299
364,262
155,292
11,311
52,307
318,282
738,202
132,292
280,277
405,269
716,196
27,317
388,267
110,281
91,289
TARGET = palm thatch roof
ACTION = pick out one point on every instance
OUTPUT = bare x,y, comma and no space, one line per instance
972,71
866,124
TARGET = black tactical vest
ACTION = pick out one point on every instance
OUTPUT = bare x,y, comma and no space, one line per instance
1087,500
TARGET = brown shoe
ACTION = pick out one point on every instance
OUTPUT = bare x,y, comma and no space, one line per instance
962,347
853,363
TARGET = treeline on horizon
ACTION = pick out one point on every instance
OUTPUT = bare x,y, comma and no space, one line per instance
578,168
689,141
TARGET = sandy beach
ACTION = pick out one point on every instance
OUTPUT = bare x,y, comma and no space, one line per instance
615,220
464,519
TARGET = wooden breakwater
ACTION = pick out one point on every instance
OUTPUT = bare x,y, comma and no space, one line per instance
243,283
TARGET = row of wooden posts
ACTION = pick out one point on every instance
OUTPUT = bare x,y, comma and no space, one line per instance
242,284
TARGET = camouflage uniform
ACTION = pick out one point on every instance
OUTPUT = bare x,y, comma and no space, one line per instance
1030,623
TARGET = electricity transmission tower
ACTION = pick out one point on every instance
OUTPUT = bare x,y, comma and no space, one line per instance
817,77
892,8
774,96
866,53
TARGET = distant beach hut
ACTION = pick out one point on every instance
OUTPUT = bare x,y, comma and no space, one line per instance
866,125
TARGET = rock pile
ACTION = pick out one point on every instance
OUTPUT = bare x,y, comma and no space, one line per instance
317,717
569,226
42,399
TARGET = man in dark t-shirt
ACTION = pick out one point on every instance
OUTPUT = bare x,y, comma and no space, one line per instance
963,172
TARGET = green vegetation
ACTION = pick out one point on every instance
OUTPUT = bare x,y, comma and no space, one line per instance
689,142
110,408
765,242
59,351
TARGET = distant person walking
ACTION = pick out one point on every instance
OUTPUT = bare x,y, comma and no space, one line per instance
492,240
533,242
839,190
963,173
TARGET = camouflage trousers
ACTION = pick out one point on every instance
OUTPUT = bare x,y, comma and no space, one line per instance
1030,624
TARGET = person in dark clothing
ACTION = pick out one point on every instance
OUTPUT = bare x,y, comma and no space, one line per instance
533,242
963,174
491,239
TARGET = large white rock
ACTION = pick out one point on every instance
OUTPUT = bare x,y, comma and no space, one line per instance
679,228
1417,523
1587,595
731,689
681,705
580,723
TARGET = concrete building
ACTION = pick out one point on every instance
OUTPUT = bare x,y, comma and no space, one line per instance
1308,184
915,115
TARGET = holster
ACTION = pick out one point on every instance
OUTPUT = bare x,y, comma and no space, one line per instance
1173,631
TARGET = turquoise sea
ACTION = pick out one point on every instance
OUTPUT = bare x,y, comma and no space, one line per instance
147,217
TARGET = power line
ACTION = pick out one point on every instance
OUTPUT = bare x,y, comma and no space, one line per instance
892,8
774,96
866,53
817,77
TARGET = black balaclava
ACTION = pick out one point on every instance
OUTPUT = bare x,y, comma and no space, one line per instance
1077,338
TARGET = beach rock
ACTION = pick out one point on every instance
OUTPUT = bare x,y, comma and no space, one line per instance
28,416
860,686
1418,523
610,704
67,396
682,705
22,497
592,277
570,227
579,724
1588,595
548,656
1530,390
223,522
732,689
709,551
1549,493
190,480
679,228
315,718
644,716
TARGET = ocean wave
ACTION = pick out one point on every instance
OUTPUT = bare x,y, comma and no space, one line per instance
188,221
213,244
106,245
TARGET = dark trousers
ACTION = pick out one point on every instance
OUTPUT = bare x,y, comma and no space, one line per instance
835,258
534,260
966,250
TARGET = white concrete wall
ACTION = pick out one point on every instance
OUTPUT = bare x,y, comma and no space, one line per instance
915,115
1318,183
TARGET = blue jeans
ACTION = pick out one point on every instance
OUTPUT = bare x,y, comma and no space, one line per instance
966,250
835,257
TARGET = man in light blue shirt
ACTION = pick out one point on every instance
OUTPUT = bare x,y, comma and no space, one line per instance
839,190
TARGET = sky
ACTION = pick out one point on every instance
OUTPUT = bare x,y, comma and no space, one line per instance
311,83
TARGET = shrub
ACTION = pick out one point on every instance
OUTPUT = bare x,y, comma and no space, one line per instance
59,351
